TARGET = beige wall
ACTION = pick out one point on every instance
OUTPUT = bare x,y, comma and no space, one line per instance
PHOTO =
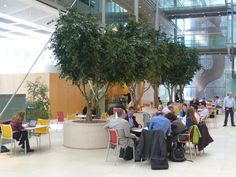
10,82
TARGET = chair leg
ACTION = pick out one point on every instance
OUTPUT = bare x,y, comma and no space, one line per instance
0,144
49,137
25,147
15,147
134,153
108,148
190,151
117,153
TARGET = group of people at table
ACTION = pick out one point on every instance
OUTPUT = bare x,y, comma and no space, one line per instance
164,119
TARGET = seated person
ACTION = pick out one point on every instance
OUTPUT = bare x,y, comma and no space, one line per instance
121,105
160,122
159,110
177,126
190,119
93,110
169,108
19,133
131,118
204,113
196,113
194,101
182,111
122,126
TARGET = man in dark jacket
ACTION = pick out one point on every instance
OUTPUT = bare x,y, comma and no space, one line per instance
131,118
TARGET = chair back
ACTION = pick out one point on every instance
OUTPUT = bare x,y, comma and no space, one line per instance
71,117
104,115
146,119
60,116
113,136
7,132
42,130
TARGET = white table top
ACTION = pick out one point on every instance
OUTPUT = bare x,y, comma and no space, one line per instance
36,127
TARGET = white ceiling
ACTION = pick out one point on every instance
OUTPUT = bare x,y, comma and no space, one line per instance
26,18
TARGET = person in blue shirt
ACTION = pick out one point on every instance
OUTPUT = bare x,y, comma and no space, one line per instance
182,112
160,122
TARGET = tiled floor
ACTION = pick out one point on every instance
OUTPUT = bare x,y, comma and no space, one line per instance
218,161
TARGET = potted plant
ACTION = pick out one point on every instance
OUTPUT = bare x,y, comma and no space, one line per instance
38,103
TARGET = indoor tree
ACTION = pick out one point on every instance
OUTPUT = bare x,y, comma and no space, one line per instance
82,52
183,63
137,38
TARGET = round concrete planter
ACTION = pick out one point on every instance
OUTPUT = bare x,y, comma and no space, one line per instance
82,135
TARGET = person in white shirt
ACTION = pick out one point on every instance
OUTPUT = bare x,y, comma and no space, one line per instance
228,106
167,108
204,114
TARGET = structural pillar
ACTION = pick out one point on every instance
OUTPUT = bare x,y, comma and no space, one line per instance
157,16
103,9
136,10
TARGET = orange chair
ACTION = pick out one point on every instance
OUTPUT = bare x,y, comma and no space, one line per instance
113,140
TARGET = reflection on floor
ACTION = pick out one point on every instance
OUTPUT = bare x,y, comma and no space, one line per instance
218,160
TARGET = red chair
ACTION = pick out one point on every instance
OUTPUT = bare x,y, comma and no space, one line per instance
115,110
60,117
113,141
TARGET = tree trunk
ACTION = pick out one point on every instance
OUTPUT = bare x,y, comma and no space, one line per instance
169,93
156,95
181,91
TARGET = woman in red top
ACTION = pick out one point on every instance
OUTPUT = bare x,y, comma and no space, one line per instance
19,133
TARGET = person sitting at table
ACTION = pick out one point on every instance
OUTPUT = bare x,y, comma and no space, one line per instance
196,113
190,118
93,109
204,111
167,108
131,118
19,133
126,139
182,111
160,122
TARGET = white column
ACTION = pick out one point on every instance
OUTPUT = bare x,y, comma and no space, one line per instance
157,16
103,9
136,9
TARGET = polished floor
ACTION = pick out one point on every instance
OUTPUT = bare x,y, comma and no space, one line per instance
58,161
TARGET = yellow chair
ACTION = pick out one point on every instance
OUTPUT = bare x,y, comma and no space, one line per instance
71,117
7,134
42,131
104,115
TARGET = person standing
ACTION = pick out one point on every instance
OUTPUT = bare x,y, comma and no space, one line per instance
228,106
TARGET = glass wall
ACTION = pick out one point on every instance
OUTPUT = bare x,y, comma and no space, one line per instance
203,32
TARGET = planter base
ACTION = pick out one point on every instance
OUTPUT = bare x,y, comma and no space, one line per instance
82,135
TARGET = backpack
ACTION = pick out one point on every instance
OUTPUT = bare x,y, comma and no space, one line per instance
159,164
4,149
128,153
177,154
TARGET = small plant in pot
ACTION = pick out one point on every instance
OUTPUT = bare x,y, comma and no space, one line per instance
38,103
